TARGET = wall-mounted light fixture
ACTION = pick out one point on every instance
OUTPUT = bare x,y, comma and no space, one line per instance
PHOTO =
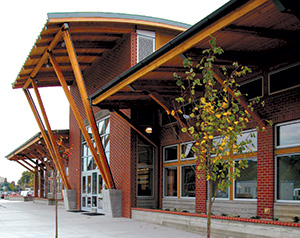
148,129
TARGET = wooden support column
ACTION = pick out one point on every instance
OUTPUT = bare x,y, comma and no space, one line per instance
77,114
122,116
45,136
59,164
36,183
88,109
242,101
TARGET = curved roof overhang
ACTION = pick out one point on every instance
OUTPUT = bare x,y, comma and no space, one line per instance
93,35
260,34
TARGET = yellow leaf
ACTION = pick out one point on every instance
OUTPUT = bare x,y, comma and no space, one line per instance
236,122
180,111
230,128
211,137
246,119
202,100
172,112
218,115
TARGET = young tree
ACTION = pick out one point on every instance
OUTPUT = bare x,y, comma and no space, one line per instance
214,120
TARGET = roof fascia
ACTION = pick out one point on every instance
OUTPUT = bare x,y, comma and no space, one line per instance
116,17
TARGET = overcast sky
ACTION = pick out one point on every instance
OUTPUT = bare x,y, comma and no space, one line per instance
21,23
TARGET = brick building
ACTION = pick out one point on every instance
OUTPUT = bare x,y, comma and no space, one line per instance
125,64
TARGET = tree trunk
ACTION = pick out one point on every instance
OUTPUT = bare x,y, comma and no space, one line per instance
210,191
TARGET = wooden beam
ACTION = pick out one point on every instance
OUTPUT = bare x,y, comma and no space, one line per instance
30,165
242,102
181,48
57,157
88,109
43,131
158,99
25,166
44,57
122,116
77,114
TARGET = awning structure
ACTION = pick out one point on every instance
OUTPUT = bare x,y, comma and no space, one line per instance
34,155
252,32
68,44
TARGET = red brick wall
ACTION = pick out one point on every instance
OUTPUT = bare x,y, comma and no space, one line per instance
122,166
265,172
100,73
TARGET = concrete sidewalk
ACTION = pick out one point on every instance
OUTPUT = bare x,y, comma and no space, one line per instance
28,219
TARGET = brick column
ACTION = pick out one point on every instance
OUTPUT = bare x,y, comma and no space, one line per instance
265,173
201,192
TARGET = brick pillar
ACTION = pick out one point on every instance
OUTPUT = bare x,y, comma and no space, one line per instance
41,183
265,173
201,192
36,183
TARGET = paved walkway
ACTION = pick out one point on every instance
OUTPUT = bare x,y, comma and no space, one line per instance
28,219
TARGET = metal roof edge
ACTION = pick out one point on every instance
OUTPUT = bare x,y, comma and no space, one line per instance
116,15
202,24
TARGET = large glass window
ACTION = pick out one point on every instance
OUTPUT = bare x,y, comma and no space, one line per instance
92,182
288,177
246,184
188,181
287,75
288,134
170,153
186,150
170,178
251,137
145,169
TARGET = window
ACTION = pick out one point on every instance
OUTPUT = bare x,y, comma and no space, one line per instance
288,177
170,181
179,172
145,169
287,134
186,150
250,135
246,184
145,44
170,153
188,181
252,88
284,78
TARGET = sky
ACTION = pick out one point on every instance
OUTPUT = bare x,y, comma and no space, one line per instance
21,23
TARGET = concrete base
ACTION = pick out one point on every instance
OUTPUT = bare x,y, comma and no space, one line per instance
219,228
69,199
23,199
112,202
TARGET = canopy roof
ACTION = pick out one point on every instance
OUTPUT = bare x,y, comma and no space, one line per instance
93,34
34,150
253,33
